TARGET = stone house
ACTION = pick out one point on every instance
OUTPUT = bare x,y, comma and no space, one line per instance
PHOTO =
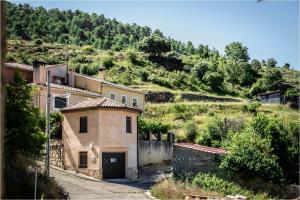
99,131
190,159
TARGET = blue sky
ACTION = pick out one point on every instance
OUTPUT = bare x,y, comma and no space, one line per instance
268,29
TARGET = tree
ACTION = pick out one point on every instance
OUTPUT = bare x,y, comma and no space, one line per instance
200,69
190,48
250,156
158,33
271,62
154,45
286,66
24,122
256,65
214,80
237,51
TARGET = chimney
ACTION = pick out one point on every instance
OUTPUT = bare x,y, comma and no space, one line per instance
71,77
101,73
39,72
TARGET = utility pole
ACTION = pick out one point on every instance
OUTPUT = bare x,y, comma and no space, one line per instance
47,160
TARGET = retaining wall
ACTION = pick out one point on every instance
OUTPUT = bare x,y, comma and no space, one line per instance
154,152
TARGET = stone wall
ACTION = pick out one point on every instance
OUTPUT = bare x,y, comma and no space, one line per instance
154,152
188,161
202,97
159,97
56,153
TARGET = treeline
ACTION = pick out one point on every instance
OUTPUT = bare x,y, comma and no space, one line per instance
77,27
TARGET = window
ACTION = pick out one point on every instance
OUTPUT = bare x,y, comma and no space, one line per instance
60,102
83,125
128,125
113,96
124,99
83,158
134,102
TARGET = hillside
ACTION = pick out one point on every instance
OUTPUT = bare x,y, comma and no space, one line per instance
134,68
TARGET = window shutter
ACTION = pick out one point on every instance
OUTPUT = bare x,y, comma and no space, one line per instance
83,157
83,124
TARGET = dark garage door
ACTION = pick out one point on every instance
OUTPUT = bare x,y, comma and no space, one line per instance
113,165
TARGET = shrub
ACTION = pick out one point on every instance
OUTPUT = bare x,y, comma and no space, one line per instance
191,131
145,126
88,49
38,42
144,74
107,62
214,133
251,156
211,182
252,107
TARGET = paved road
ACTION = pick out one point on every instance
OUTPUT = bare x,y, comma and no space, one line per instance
80,188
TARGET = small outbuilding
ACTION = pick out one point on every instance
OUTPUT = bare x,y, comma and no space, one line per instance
190,159
275,97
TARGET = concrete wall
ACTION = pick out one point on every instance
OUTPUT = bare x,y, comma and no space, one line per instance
154,152
188,161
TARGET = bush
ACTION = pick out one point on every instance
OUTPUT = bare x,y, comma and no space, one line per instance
108,62
213,134
145,126
213,183
38,42
88,49
252,107
191,131
251,156
144,74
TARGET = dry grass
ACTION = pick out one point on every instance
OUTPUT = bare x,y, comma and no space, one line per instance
171,189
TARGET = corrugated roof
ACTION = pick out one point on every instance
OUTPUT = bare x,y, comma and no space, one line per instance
71,89
202,148
20,66
94,103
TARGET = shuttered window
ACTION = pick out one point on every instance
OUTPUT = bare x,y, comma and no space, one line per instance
83,158
83,124
124,99
128,125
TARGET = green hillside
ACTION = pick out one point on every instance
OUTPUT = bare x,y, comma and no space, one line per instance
137,56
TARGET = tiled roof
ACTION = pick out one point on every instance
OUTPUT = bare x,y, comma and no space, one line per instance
20,66
71,89
102,102
202,148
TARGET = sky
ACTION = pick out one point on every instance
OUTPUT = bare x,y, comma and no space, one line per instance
270,29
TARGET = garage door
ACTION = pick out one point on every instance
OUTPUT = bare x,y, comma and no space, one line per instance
113,165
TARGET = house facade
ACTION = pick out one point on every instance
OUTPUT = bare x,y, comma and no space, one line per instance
100,138
99,130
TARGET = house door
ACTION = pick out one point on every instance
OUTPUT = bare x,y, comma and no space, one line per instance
113,165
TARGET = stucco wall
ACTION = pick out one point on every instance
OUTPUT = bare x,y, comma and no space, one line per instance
74,142
40,98
188,161
106,130
112,124
107,89
9,74
154,152
85,82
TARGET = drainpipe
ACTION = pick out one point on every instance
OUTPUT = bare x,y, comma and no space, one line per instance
137,146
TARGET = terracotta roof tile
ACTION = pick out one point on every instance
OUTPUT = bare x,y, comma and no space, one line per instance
20,66
95,103
202,148
71,89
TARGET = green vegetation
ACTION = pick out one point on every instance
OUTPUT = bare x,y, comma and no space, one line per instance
211,182
24,141
136,55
